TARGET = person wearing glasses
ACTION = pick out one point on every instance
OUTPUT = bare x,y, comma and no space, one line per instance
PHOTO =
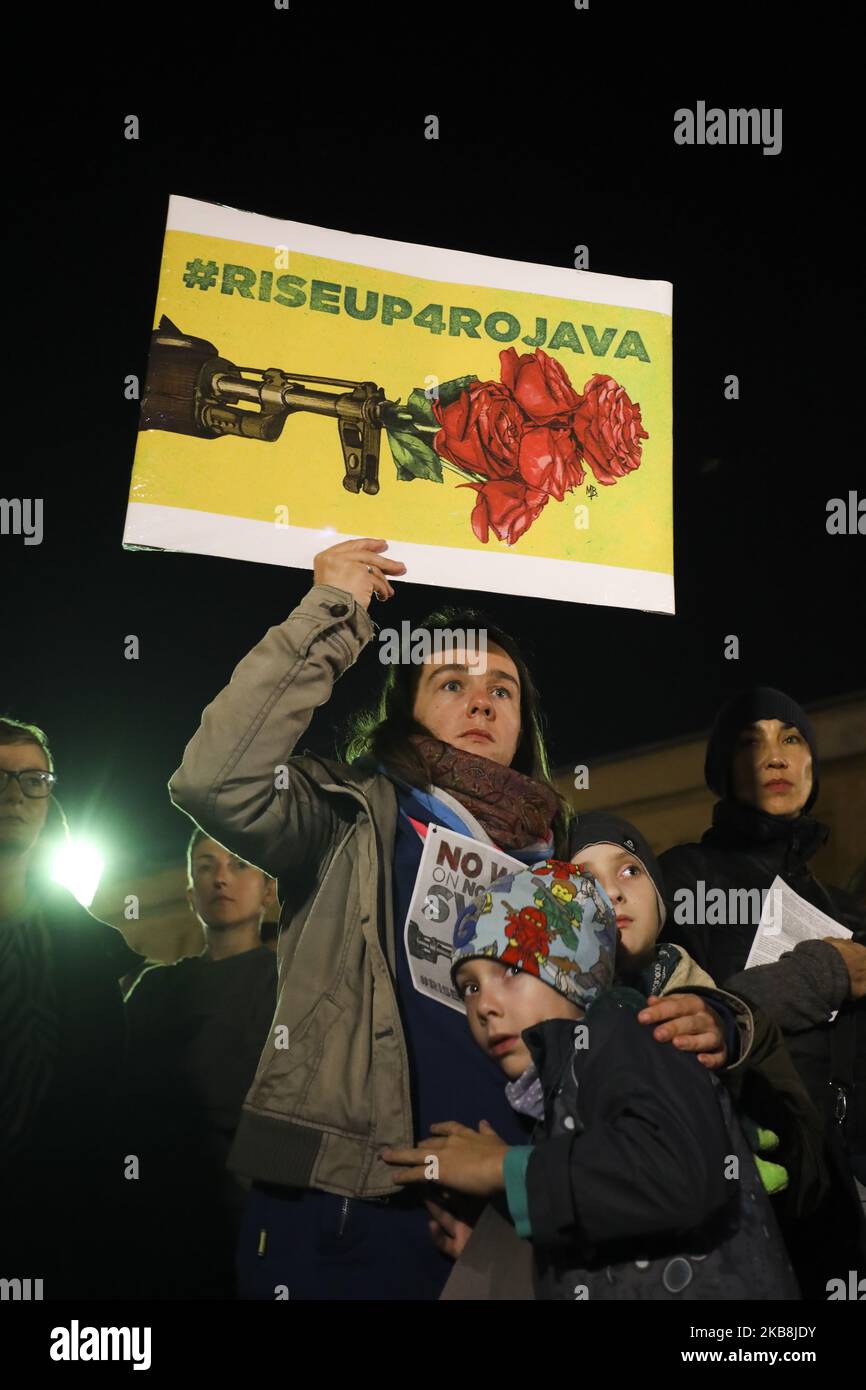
62,1179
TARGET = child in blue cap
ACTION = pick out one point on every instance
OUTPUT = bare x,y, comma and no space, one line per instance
639,1183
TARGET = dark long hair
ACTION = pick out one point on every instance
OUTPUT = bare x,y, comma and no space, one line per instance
382,734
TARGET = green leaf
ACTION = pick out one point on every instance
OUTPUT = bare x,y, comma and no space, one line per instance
421,407
414,458
450,390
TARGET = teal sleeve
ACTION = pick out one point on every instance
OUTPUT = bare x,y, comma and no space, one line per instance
514,1169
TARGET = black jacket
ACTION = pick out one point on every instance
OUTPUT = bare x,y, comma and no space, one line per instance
87,960
631,1192
747,849
62,1190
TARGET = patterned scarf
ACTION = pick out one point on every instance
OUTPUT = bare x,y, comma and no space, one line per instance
526,1094
515,810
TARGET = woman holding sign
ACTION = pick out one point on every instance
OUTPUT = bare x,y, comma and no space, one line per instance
364,1052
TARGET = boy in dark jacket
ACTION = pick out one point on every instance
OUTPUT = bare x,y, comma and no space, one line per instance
754,1064
639,1182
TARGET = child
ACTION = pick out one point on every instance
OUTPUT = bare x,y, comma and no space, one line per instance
758,1071
617,855
639,1183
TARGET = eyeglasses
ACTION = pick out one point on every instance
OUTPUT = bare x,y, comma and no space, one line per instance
32,781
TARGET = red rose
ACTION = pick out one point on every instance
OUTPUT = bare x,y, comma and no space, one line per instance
508,507
550,460
539,384
481,430
608,429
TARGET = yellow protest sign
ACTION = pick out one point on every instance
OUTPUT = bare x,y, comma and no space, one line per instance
506,426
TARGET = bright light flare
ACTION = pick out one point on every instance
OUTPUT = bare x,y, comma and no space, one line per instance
78,866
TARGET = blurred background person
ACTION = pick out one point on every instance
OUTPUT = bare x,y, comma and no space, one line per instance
62,1042
196,1031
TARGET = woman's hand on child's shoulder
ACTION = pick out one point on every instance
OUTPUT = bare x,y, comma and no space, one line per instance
690,1023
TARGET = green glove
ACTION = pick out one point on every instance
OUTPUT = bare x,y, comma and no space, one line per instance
773,1175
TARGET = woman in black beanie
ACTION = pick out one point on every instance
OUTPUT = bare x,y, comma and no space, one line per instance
762,762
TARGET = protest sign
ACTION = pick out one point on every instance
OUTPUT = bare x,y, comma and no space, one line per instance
505,426
453,869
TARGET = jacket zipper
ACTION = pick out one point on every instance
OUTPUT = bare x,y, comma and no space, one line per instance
343,1214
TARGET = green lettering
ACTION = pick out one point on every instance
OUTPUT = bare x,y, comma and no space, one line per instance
266,279
540,334
393,307
291,293
464,321
632,346
430,317
238,277
370,307
509,334
598,349
325,297
566,336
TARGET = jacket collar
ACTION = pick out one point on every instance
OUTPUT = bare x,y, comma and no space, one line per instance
376,793
738,826
551,1044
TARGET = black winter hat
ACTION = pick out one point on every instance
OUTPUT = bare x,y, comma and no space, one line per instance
761,702
602,828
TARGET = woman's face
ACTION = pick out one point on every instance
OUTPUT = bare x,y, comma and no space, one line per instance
479,713
21,817
772,768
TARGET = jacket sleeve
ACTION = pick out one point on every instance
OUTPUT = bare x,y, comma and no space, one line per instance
650,1161
769,1091
799,990
238,780
735,1016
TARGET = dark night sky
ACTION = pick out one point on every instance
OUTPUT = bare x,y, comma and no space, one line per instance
534,157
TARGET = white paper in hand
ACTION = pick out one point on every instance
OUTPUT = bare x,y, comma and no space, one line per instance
786,920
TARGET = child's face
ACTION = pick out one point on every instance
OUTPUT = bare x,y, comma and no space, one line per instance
501,1001
633,894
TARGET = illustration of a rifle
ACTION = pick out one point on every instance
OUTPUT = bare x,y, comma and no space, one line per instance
190,389
424,947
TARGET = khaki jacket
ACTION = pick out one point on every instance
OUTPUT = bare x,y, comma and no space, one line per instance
332,1086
